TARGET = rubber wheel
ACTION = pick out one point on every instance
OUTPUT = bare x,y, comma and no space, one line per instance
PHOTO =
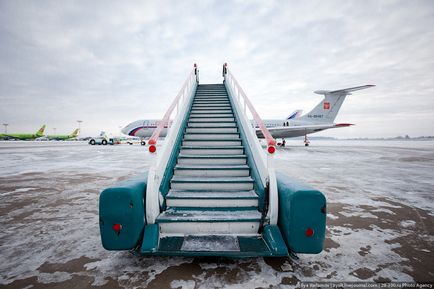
143,143
306,144
104,142
92,142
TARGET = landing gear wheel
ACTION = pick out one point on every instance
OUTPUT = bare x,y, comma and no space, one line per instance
92,142
143,143
306,141
104,142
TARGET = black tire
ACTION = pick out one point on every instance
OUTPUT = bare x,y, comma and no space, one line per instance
143,143
306,144
92,142
104,142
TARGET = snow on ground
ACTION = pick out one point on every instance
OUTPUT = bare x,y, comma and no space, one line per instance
380,218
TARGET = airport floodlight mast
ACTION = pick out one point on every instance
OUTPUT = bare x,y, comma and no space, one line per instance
6,127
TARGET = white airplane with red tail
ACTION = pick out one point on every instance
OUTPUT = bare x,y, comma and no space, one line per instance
318,119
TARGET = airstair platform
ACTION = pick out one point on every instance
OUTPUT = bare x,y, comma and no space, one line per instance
212,191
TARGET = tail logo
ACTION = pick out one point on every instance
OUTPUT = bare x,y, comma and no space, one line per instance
326,105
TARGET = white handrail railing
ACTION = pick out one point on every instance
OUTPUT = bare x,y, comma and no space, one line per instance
156,172
186,88
241,103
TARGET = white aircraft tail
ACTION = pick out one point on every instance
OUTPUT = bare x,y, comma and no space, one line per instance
327,110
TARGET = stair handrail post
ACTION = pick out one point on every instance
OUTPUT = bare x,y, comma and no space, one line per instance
262,161
156,172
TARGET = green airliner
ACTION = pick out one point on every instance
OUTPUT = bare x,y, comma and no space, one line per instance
23,136
64,137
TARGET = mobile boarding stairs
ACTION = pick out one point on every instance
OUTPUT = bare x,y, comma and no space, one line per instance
212,191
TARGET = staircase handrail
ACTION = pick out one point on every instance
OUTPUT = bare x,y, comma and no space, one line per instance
156,173
259,156
186,88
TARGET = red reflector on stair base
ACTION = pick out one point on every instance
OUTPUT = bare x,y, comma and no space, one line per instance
271,149
117,228
309,232
152,148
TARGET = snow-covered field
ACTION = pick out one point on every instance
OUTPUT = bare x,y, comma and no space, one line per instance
380,218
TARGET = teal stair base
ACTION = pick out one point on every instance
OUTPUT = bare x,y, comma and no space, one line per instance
269,244
301,208
123,204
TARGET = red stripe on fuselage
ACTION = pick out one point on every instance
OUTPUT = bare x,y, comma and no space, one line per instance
133,132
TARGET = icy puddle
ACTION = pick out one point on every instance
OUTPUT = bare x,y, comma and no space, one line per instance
380,219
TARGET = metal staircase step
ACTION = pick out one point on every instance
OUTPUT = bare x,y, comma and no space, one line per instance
211,101
191,198
211,119
184,222
216,183
213,135
185,159
220,109
214,111
211,97
214,195
207,97
206,105
212,150
211,142
212,170
207,117
206,109
212,129
212,124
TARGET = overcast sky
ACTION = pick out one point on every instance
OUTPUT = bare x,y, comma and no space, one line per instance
109,63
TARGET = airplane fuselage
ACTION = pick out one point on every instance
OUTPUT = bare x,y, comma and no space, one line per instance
6,136
277,128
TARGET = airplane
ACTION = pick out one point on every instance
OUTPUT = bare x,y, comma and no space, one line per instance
23,136
320,118
144,128
64,137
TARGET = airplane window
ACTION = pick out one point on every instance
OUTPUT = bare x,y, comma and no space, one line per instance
287,123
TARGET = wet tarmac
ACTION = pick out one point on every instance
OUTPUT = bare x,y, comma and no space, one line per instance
380,224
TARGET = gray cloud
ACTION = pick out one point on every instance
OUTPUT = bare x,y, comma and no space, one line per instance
110,62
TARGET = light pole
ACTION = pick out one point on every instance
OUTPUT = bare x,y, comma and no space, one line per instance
6,127
79,123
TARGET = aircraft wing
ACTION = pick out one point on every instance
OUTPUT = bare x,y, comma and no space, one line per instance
299,130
